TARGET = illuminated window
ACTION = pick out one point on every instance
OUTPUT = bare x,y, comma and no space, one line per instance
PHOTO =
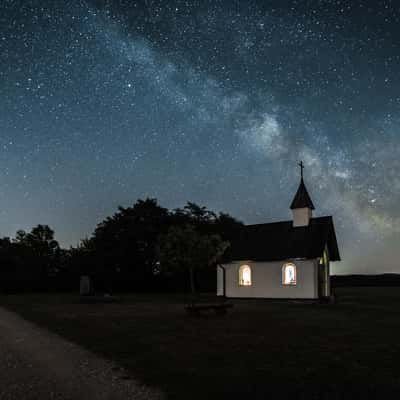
289,274
245,275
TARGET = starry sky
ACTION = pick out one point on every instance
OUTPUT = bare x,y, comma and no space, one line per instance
104,102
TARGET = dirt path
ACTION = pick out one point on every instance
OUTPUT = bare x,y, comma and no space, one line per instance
39,365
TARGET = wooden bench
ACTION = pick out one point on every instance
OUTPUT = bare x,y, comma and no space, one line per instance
219,308
99,299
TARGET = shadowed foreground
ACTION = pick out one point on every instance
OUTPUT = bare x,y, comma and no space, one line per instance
35,364
348,350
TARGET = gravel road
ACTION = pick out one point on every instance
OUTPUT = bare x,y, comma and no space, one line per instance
38,365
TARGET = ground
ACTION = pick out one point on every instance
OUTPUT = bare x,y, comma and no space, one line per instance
260,348
37,364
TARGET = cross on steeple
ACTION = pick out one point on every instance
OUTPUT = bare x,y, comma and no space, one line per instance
302,198
301,165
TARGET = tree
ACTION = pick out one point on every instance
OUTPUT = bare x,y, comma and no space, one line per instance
41,250
199,217
185,249
8,262
122,252
124,245
227,227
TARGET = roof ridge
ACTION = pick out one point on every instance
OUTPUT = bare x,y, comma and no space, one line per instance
289,221
279,240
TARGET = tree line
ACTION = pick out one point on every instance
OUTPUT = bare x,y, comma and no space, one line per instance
145,247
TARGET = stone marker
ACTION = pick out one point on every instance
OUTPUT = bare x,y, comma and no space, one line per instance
85,288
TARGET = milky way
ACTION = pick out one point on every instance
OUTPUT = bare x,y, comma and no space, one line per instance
103,102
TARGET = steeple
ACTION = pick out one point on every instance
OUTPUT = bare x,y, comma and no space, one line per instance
302,205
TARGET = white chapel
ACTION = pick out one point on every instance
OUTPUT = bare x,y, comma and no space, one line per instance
282,260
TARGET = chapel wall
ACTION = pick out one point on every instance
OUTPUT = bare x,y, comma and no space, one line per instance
266,280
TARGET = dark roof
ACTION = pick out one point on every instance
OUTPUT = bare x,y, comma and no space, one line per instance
302,198
281,241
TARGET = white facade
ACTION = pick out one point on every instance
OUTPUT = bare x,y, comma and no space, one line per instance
311,280
301,216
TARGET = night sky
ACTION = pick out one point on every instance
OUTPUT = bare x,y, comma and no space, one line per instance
104,102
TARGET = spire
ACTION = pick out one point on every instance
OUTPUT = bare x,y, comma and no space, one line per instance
302,198
302,205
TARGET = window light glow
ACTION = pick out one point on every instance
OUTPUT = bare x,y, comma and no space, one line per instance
289,274
245,275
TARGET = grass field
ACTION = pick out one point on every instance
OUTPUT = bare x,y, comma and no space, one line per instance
258,350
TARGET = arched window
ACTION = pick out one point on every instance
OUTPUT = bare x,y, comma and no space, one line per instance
245,275
289,274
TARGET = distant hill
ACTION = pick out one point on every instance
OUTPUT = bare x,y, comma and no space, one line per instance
365,280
